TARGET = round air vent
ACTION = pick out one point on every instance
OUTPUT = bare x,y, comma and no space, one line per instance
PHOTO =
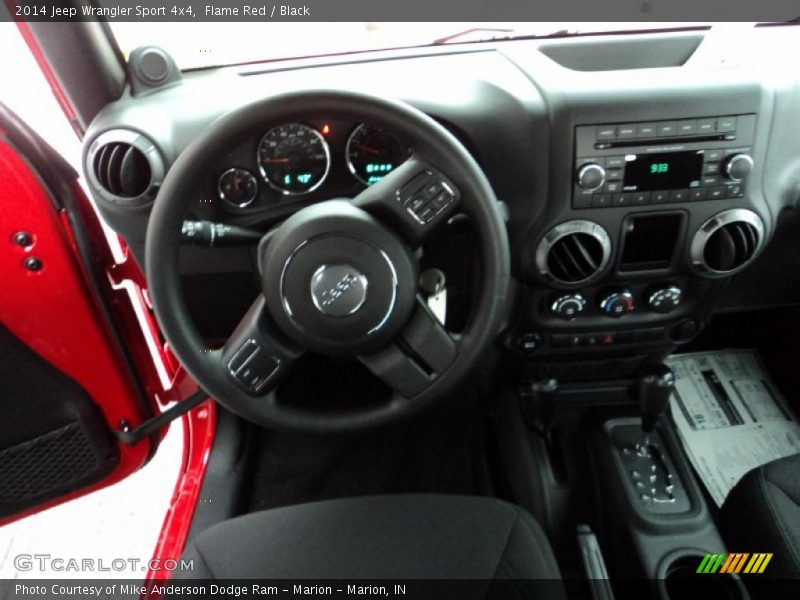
727,242
573,253
124,166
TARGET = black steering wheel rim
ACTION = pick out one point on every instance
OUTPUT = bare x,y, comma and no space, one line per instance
433,144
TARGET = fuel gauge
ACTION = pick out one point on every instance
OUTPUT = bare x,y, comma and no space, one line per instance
237,187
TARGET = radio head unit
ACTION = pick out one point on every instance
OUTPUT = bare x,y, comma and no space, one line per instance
662,162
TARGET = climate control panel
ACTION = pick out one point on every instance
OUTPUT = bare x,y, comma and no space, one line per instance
615,303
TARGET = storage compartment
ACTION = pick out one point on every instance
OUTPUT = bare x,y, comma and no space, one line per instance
678,578
649,241
635,52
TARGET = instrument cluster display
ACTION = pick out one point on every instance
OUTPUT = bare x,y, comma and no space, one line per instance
296,159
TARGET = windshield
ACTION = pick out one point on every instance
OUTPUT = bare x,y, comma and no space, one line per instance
198,45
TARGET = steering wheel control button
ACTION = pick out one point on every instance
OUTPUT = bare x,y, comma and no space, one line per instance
338,290
568,306
617,304
425,196
251,367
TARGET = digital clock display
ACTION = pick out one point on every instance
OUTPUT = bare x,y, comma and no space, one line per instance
663,171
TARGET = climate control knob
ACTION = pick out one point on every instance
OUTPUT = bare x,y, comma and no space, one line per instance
617,304
664,300
568,306
591,176
737,167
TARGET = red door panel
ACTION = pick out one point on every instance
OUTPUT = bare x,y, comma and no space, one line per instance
48,304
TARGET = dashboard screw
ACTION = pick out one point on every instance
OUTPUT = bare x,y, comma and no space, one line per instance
33,264
23,238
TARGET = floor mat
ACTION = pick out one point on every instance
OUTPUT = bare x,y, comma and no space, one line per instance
442,455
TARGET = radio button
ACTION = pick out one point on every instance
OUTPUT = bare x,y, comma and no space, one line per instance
716,193
738,167
620,199
617,162
735,191
659,197
666,129
613,174
612,187
711,169
687,127
591,176
607,132
626,132
581,198
709,180
706,125
725,124
601,200
714,155
640,198
646,130
697,194
679,195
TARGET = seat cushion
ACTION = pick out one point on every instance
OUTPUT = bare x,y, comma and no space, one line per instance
762,514
379,537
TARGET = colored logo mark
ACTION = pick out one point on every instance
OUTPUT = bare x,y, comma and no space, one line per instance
735,562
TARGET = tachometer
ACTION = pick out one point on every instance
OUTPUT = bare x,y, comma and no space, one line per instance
294,158
372,153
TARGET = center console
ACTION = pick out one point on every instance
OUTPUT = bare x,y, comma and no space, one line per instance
658,214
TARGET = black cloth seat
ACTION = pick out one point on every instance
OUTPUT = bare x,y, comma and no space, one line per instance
414,536
762,514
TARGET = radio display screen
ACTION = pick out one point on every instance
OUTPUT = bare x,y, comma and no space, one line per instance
663,171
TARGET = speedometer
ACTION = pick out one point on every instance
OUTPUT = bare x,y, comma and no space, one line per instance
294,158
373,152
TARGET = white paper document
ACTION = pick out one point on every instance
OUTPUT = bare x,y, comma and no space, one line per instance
729,416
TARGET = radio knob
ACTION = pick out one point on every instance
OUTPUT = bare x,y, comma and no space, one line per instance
568,306
738,166
617,304
591,176
664,300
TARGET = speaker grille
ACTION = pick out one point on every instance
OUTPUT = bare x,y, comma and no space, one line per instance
44,464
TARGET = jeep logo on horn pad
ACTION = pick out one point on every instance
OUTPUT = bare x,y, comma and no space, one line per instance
338,290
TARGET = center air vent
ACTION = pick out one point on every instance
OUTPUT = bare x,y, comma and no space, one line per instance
727,242
124,166
574,252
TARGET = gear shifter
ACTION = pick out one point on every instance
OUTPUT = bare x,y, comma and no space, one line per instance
656,384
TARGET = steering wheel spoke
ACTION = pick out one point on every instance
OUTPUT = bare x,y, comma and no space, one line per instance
256,356
414,199
416,359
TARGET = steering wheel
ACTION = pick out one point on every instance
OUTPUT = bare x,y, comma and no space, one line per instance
339,277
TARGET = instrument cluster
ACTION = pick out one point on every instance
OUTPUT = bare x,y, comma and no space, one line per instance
309,159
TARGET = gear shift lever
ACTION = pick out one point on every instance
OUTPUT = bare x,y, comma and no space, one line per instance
656,385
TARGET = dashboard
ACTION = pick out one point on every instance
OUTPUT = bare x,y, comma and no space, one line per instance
645,177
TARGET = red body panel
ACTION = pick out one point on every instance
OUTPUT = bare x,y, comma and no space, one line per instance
199,426
53,311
